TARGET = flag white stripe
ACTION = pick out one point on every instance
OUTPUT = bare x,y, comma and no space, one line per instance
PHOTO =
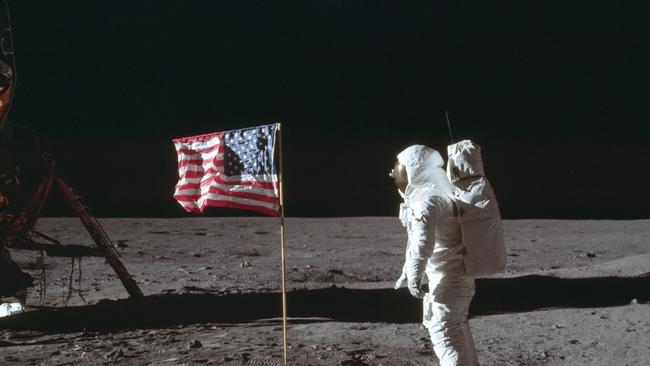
194,145
219,197
244,189
213,155
198,168
268,178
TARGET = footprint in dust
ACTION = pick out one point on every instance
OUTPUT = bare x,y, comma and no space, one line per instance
359,357
264,362
353,362
248,253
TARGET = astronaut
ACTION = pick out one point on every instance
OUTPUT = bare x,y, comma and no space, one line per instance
435,252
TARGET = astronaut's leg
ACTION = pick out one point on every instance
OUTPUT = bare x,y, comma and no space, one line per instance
472,357
445,316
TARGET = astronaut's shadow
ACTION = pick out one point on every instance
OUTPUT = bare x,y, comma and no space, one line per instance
534,292
493,296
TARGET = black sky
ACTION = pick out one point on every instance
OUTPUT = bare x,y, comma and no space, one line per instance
556,92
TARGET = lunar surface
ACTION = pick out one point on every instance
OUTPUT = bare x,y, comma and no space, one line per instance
574,293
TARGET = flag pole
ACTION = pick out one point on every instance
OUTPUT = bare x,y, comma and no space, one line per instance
284,292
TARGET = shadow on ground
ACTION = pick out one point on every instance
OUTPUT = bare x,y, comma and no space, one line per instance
493,296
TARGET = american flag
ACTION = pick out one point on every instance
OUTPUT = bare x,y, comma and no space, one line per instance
233,169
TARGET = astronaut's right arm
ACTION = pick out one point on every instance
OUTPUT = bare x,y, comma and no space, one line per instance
404,214
420,248
402,277
421,243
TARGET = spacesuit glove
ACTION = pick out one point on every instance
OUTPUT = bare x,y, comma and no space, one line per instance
414,288
400,281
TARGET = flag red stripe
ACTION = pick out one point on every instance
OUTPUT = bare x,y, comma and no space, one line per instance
216,179
204,150
194,174
191,191
260,185
204,137
200,162
200,173
191,207
264,185
215,190
264,210
195,162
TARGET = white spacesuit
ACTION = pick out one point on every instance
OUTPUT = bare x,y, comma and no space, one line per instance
435,248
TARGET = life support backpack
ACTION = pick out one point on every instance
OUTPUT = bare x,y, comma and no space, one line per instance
478,210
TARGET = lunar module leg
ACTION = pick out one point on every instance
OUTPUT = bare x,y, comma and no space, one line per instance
100,238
